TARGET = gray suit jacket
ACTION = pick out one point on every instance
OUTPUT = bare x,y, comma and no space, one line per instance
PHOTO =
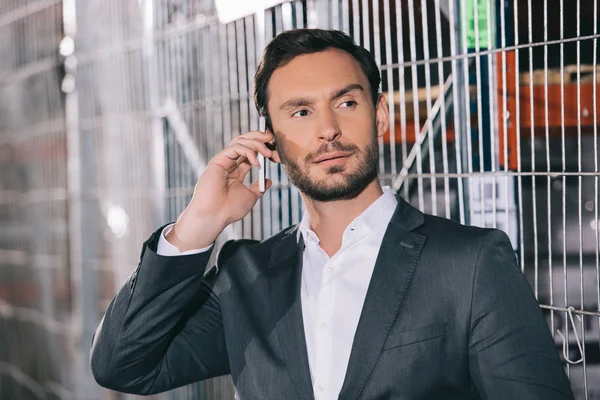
448,315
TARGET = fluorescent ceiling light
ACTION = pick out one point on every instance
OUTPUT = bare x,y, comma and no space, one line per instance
232,10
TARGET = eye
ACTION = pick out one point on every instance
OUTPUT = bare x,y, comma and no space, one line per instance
348,104
300,113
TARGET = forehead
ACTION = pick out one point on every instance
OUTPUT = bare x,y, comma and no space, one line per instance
314,74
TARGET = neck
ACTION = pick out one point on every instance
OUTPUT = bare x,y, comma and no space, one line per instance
329,219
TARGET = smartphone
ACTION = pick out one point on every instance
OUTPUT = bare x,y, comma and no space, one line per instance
262,170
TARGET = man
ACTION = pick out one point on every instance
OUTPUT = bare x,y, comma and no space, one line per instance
366,298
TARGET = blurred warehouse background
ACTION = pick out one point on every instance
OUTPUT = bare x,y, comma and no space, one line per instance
110,109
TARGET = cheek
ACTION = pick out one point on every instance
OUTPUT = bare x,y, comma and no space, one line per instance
359,131
291,146
298,132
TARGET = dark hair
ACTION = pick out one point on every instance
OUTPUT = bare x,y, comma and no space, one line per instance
290,44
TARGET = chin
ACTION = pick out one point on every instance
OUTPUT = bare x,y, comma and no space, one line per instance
333,177
335,182
332,187
336,170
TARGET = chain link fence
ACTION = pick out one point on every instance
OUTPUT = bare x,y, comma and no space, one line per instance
110,109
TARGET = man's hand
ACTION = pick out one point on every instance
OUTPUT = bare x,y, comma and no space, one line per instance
220,196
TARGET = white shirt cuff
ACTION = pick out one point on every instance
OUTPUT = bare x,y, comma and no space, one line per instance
165,248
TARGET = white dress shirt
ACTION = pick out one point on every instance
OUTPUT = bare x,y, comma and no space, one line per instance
333,290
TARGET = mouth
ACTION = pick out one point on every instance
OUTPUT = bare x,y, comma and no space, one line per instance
338,155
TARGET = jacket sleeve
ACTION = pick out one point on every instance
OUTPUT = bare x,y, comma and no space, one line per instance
511,352
163,329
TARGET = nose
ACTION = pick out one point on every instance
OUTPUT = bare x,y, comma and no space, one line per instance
329,129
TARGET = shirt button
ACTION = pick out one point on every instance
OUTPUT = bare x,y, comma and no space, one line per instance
323,326
329,269
321,387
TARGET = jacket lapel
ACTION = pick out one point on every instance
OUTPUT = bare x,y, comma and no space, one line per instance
394,268
284,280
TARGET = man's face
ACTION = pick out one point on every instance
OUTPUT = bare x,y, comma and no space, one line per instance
325,124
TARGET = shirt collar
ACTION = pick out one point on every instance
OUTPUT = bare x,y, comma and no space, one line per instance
377,216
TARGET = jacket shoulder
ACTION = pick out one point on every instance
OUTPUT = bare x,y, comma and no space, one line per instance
449,237
232,247
447,229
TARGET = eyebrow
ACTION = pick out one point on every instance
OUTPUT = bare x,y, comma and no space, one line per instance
305,101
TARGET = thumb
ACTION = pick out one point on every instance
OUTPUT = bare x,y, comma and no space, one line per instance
255,188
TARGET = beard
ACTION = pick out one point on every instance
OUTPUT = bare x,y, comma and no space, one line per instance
340,183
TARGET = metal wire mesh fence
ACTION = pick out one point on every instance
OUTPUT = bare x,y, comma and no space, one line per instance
110,109
34,271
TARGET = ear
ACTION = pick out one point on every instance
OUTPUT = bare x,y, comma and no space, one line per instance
382,116
273,147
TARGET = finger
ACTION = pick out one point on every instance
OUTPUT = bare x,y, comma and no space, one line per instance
256,145
275,157
271,145
255,135
235,151
256,190
240,170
